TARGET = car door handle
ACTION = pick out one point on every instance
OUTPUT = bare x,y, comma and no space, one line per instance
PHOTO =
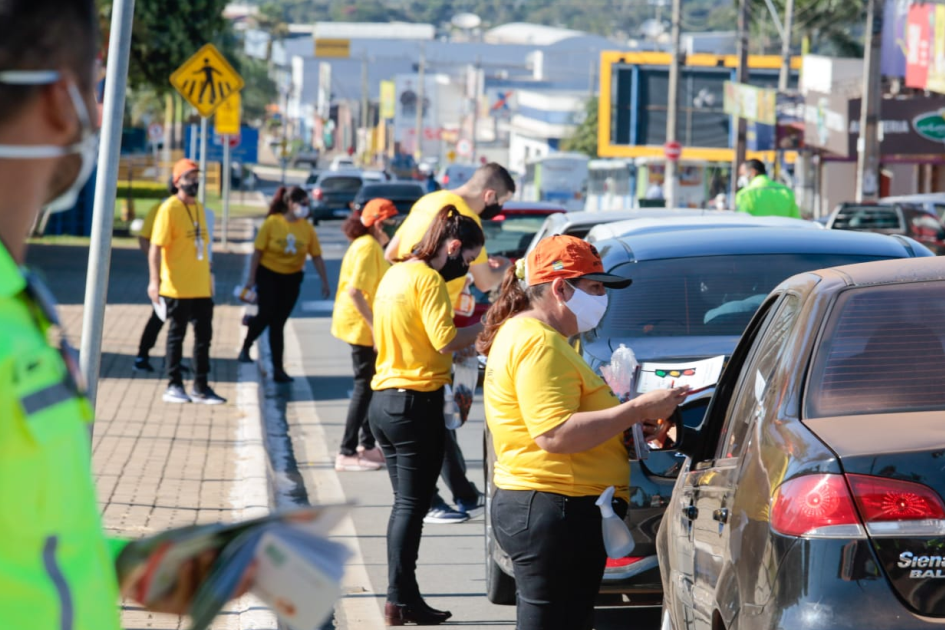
691,512
720,515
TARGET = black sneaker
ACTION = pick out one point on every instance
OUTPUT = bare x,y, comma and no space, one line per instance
176,394
206,396
244,356
142,365
281,377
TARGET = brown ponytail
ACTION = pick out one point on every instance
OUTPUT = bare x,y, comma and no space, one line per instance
512,300
448,224
280,200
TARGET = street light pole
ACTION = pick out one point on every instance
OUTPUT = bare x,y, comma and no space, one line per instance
785,75
670,185
284,145
418,131
103,213
867,163
741,76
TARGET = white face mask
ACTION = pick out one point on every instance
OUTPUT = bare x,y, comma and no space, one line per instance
742,181
301,211
588,309
86,147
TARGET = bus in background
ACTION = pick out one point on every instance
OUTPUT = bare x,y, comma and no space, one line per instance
610,185
557,178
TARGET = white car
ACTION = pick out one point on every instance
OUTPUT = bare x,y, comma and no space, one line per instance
342,163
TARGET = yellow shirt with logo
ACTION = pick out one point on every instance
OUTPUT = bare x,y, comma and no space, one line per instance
413,321
535,382
284,244
421,217
362,268
185,260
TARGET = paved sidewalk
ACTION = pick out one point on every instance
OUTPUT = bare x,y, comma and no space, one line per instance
160,465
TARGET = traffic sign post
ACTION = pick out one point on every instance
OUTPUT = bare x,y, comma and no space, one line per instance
672,151
227,123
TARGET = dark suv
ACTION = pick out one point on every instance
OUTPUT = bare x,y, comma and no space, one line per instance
812,492
912,220
693,294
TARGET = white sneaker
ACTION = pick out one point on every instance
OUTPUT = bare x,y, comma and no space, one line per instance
353,463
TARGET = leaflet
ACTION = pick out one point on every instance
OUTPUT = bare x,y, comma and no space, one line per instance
698,375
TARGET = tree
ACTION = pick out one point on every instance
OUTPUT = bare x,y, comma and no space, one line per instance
260,89
272,19
165,34
584,139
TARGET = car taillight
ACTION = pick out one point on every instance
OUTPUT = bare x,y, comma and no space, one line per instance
891,507
619,563
815,506
317,194
446,180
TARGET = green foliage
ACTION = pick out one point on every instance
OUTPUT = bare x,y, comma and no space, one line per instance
140,189
260,89
584,139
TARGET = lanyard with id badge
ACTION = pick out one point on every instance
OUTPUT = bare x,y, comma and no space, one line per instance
198,240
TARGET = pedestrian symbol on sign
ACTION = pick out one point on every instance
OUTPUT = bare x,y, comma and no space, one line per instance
206,80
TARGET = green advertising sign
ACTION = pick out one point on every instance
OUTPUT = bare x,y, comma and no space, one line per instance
930,125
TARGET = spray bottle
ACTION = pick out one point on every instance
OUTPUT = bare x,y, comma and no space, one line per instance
617,538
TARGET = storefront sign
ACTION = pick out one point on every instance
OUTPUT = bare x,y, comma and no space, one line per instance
918,45
749,102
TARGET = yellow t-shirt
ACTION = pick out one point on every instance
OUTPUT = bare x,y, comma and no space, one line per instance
362,268
185,267
421,216
413,321
147,228
534,382
284,245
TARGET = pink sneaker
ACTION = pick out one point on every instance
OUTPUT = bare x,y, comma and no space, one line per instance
374,455
353,463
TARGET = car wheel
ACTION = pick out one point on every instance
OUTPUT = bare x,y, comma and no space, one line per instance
500,588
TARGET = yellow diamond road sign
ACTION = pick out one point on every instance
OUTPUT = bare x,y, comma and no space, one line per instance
206,80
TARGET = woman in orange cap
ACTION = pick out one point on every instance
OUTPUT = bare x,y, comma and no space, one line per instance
353,322
283,243
557,430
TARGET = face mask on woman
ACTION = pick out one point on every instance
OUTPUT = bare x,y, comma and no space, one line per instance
301,211
455,267
588,309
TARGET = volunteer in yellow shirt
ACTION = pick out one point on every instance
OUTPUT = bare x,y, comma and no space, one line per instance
353,321
283,243
179,261
557,430
480,199
415,336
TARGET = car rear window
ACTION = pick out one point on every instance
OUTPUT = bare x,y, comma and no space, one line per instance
703,296
392,191
867,218
881,352
340,184
511,236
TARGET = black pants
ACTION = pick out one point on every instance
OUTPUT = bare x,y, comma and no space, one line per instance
149,337
453,473
557,551
409,428
278,293
363,359
180,312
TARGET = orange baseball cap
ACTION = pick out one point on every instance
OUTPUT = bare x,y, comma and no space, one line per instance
567,257
182,167
377,210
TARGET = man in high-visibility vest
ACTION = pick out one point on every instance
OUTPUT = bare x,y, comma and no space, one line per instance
57,568
760,196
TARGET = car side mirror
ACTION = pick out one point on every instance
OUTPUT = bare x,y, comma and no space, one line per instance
693,416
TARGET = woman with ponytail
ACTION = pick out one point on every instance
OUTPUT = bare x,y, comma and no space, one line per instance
283,243
556,429
415,338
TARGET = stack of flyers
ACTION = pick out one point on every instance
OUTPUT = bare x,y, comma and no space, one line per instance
292,553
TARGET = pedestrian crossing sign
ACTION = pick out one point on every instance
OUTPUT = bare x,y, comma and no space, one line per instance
206,80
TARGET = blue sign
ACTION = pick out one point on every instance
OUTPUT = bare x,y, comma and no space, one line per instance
246,153
759,137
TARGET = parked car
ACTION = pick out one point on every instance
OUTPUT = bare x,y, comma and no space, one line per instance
403,166
332,194
693,294
910,220
403,194
452,176
341,163
306,155
578,224
721,219
370,176
811,494
931,202
508,234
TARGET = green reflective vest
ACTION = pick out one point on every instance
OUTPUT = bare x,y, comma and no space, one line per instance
56,567
765,198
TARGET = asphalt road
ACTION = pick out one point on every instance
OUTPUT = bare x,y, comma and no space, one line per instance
451,567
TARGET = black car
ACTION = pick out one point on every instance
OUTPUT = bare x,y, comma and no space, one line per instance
332,193
403,194
693,294
912,220
811,494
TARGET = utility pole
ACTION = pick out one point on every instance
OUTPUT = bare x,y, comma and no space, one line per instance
421,95
785,75
672,104
475,112
365,103
867,163
284,145
741,76
103,212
